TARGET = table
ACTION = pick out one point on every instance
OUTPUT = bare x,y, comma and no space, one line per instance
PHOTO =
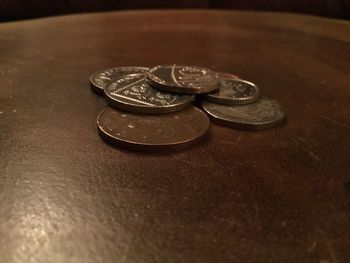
271,196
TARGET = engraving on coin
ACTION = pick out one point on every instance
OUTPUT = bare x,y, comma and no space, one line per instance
99,79
133,93
173,131
234,92
261,114
183,79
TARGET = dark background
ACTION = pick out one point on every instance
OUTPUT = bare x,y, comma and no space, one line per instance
23,9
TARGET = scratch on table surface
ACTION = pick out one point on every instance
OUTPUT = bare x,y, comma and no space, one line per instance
274,144
162,189
314,156
332,208
283,156
194,163
233,142
330,248
312,247
335,122
225,220
236,164
300,138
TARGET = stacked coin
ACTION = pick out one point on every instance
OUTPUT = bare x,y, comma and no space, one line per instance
151,108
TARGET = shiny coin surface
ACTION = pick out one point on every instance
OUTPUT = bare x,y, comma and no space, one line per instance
165,132
133,93
261,114
99,79
234,92
183,79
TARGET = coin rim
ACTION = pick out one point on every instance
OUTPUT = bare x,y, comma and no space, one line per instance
148,147
182,89
225,75
244,126
98,89
234,101
121,105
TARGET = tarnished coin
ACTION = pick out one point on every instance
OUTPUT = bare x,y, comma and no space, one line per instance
258,115
133,93
165,132
183,79
234,92
99,79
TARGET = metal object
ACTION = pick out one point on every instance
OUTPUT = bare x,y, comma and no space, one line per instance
183,79
99,79
259,115
224,75
234,92
133,93
165,132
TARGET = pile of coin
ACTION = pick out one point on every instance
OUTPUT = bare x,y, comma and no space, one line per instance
152,109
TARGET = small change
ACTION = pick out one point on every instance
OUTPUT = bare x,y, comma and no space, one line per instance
169,107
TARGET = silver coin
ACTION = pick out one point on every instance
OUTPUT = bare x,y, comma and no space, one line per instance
183,79
234,92
99,79
132,93
258,115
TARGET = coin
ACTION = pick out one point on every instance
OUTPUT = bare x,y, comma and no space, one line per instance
234,92
261,114
99,79
183,79
133,93
152,133
224,75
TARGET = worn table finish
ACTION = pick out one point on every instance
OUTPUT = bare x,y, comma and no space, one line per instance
271,196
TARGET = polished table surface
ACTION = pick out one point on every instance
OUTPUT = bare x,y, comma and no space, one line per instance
278,195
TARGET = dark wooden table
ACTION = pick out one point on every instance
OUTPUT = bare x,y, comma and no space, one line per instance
271,196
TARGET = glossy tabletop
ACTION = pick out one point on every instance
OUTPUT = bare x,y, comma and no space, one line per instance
277,195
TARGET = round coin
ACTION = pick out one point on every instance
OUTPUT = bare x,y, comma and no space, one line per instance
234,92
133,93
183,79
259,115
99,79
152,133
